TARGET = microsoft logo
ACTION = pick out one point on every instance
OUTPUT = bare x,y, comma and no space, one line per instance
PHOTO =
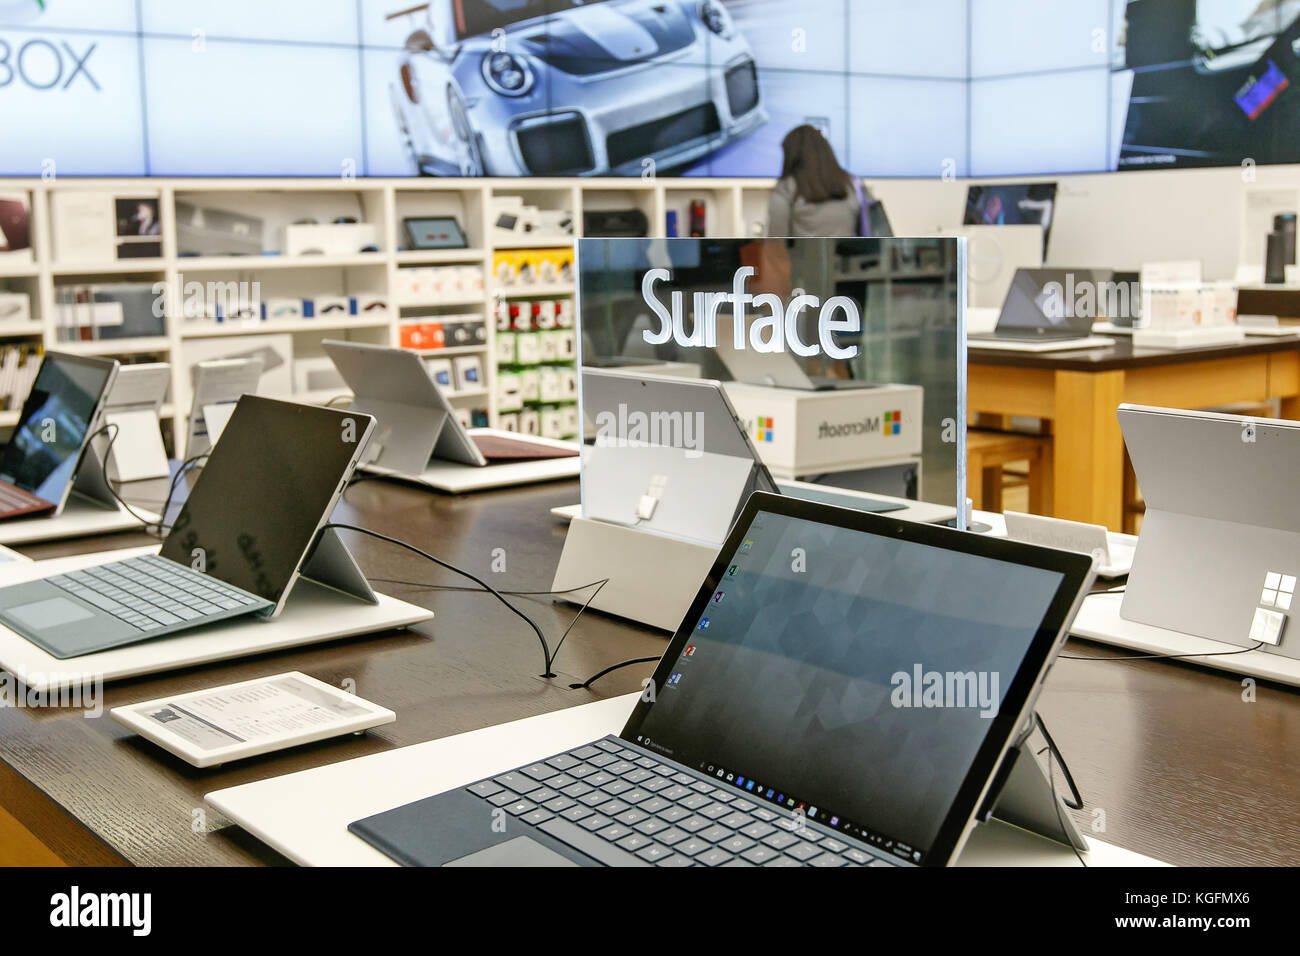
1279,590
764,429
893,423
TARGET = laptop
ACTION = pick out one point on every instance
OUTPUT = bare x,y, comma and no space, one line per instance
237,547
762,740
416,421
1038,314
60,415
774,369
1114,551
1219,551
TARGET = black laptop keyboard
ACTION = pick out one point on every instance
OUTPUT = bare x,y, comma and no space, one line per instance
152,594
622,808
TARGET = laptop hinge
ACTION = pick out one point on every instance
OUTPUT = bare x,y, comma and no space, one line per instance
1022,796
332,564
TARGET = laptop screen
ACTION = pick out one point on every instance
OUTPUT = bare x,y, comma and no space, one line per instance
264,492
847,675
43,455
1049,299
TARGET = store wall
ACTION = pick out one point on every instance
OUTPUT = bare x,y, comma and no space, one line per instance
1111,220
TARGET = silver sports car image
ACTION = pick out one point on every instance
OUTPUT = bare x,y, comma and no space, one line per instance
567,87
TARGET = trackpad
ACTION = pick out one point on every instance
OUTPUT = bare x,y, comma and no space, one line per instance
43,615
521,851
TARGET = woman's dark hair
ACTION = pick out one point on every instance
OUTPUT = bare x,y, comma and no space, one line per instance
811,162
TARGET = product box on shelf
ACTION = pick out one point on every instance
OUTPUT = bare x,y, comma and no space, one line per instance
283,308
522,268
469,372
528,348
505,348
328,307
549,385
440,371
370,305
331,239
530,423
530,384
510,386
571,418
421,335
15,307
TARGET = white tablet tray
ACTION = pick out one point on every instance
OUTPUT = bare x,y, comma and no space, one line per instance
313,614
80,518
1098,620
456,478
305,815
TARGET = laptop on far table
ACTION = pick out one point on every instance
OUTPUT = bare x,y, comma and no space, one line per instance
849,709
774,369
416,422
60,415
237,547
1039,314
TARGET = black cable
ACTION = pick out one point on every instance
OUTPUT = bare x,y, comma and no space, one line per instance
108,450
546,651
548,656
455,587
585,604
1069,778
1160,657
1054,755
612,667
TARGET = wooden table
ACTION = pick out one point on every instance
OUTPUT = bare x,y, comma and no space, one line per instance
1078,392
1179,764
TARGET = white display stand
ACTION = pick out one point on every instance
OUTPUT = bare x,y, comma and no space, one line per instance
305,815
313,614
1189,338
816,432
456,478
1099,620
908,510
91,509
137,451
652,578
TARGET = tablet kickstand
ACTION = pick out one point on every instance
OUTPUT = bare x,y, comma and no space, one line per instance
332,564
1025,800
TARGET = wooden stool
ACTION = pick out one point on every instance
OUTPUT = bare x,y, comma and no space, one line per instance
987,455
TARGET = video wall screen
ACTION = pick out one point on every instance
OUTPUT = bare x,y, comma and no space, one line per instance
622,87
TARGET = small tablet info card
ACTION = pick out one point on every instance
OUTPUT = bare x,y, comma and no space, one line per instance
211,727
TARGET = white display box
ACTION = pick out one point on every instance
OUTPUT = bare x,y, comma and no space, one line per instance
331,239
801,432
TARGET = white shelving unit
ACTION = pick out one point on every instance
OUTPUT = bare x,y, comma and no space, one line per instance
733,208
